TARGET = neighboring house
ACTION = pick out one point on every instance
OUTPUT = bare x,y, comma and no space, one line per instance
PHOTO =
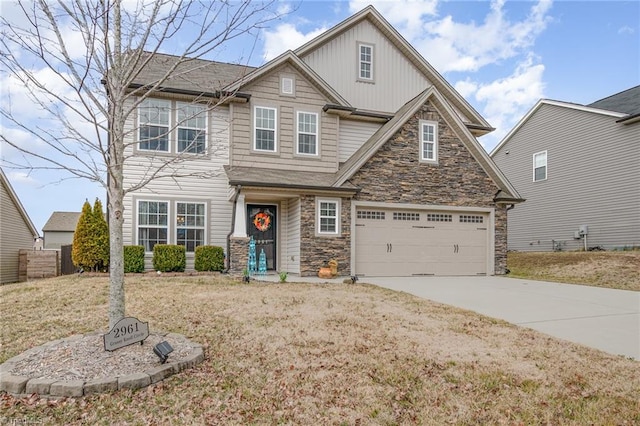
16,231
373,162
578,166
59,229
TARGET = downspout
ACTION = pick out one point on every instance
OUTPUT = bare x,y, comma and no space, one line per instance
233,226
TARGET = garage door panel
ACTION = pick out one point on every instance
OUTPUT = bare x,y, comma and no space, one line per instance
404,243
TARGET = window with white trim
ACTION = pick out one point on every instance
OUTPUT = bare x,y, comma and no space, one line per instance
153,119
190,220
192,128
540,166
428,141
365,61
307,133
152,223
265,129
328,214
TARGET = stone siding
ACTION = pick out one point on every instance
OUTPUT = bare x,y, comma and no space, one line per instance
395,175
239,254
316,251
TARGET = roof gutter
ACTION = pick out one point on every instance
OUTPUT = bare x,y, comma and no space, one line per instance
242,97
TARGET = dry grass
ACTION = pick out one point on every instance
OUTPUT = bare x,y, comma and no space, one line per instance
320,354
619,270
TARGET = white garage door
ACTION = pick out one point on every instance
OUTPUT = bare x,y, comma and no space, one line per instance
408,243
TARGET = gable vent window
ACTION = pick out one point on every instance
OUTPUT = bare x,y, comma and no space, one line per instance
372,215
439,217
286,85
540,166
365,62
471,219
406,216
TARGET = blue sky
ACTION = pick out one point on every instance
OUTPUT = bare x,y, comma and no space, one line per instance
502,56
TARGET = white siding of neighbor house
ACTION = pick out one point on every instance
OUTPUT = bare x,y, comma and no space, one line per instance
291,259
353,134
16,235
337,63
593,179
212,191
266,93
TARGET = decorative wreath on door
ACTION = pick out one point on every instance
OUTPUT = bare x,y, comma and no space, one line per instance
262,222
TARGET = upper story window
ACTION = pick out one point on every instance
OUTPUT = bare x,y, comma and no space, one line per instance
540,166
192,125
168,126
328,216
265,129
365,61
428,141
154,124
307,133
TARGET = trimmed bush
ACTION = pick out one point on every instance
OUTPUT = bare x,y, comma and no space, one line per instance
209,258
134,259
169,258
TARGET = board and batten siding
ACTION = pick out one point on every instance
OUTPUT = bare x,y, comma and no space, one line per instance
353,134
15,235
291,261
212,191
390,67
265,92
593,179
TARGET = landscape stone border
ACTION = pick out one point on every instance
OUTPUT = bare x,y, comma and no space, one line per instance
19,386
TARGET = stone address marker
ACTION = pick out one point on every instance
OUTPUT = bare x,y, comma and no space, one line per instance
126,332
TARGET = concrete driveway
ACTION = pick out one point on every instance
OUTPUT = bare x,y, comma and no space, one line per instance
604,319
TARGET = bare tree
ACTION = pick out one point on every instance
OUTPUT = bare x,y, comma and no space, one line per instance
80,61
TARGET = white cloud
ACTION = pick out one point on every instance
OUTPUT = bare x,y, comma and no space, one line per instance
286,37
505,101
22,178
626,30
406,16
455,46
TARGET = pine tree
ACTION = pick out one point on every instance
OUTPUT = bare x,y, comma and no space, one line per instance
100,236
81,251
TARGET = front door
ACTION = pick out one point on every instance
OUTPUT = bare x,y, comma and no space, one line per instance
261,225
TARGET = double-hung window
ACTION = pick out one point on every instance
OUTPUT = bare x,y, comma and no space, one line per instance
152,223
365,61
428,141
265,129
307,133
540,166
154,124
190,219
328,214
192,124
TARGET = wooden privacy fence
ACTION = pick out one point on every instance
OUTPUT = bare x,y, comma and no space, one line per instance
38,264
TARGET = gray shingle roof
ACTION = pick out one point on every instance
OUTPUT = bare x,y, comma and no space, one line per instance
254,176
192,75
62,222
627,101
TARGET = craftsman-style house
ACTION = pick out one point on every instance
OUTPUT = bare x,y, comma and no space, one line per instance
373,163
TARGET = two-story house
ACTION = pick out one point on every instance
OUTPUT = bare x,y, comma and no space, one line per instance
578,166
352,147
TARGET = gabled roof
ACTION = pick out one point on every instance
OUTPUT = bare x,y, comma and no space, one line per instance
62,222
369,148
191,75
290,58
370,13
627,101
16,201
543,102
